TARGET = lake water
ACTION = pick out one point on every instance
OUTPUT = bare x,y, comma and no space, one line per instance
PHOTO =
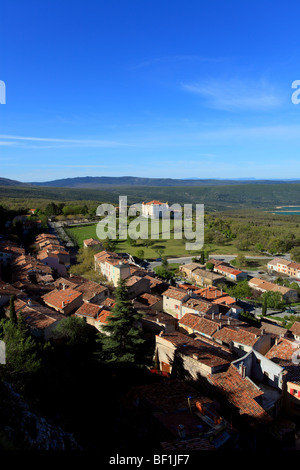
288,210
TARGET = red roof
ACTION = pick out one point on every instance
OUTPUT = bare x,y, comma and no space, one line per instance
241,393
154,202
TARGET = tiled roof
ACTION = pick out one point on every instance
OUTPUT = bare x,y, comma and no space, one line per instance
64,281
36,315
268,286
110,256
207,354
207,274
199,324
89,310
209,292
8,290
294,265
236,334
229,270
103,315
281,352
167,396
91,242
295,329
130,281
57,297
108,302
175,293
148,299
154,202
191,266
199,305
226,299
90,289
241,393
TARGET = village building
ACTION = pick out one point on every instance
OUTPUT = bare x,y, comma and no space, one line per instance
287,294
111,266
237,396
155,302
65,301
137,285
202,277
173,299
7,290
177,353
92,292
91,242
40,319
89,312
199,306
231,273
183,418
286,354
243,339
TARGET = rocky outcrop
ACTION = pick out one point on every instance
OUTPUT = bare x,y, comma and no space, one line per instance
21,429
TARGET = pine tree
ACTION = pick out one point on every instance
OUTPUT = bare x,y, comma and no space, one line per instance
122,341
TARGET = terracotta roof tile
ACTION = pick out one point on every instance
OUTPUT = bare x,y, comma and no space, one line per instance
56,297
175,293
241,393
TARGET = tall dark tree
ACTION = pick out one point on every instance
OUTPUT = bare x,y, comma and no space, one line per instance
122,339
12,310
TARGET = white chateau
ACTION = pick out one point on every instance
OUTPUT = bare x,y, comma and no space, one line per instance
155,209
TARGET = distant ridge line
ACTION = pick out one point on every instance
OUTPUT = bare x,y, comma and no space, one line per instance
96,181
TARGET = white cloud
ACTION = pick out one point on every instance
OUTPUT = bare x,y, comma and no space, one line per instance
235,95
61,143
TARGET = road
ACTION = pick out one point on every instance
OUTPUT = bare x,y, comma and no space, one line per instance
188,259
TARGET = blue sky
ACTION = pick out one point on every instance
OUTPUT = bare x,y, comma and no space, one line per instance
149,88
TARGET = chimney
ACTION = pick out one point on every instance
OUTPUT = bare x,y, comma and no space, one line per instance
242,370
212,316
64,286
228,321
220,316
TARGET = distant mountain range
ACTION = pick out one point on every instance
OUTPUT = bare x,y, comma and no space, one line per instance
96,182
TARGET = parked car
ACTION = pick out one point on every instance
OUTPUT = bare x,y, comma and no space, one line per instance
289,310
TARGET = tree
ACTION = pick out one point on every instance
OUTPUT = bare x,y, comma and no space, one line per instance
273,300
122,341
210,266
140,254
163,272
295,253
12,310
22,359
240,290
240,260
264,306
75,333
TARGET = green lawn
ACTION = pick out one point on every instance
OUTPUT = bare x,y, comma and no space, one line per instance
171,248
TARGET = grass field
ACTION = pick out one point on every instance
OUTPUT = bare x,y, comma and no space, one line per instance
172,248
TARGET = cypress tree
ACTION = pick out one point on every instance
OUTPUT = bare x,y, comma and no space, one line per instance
122,341
12,310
